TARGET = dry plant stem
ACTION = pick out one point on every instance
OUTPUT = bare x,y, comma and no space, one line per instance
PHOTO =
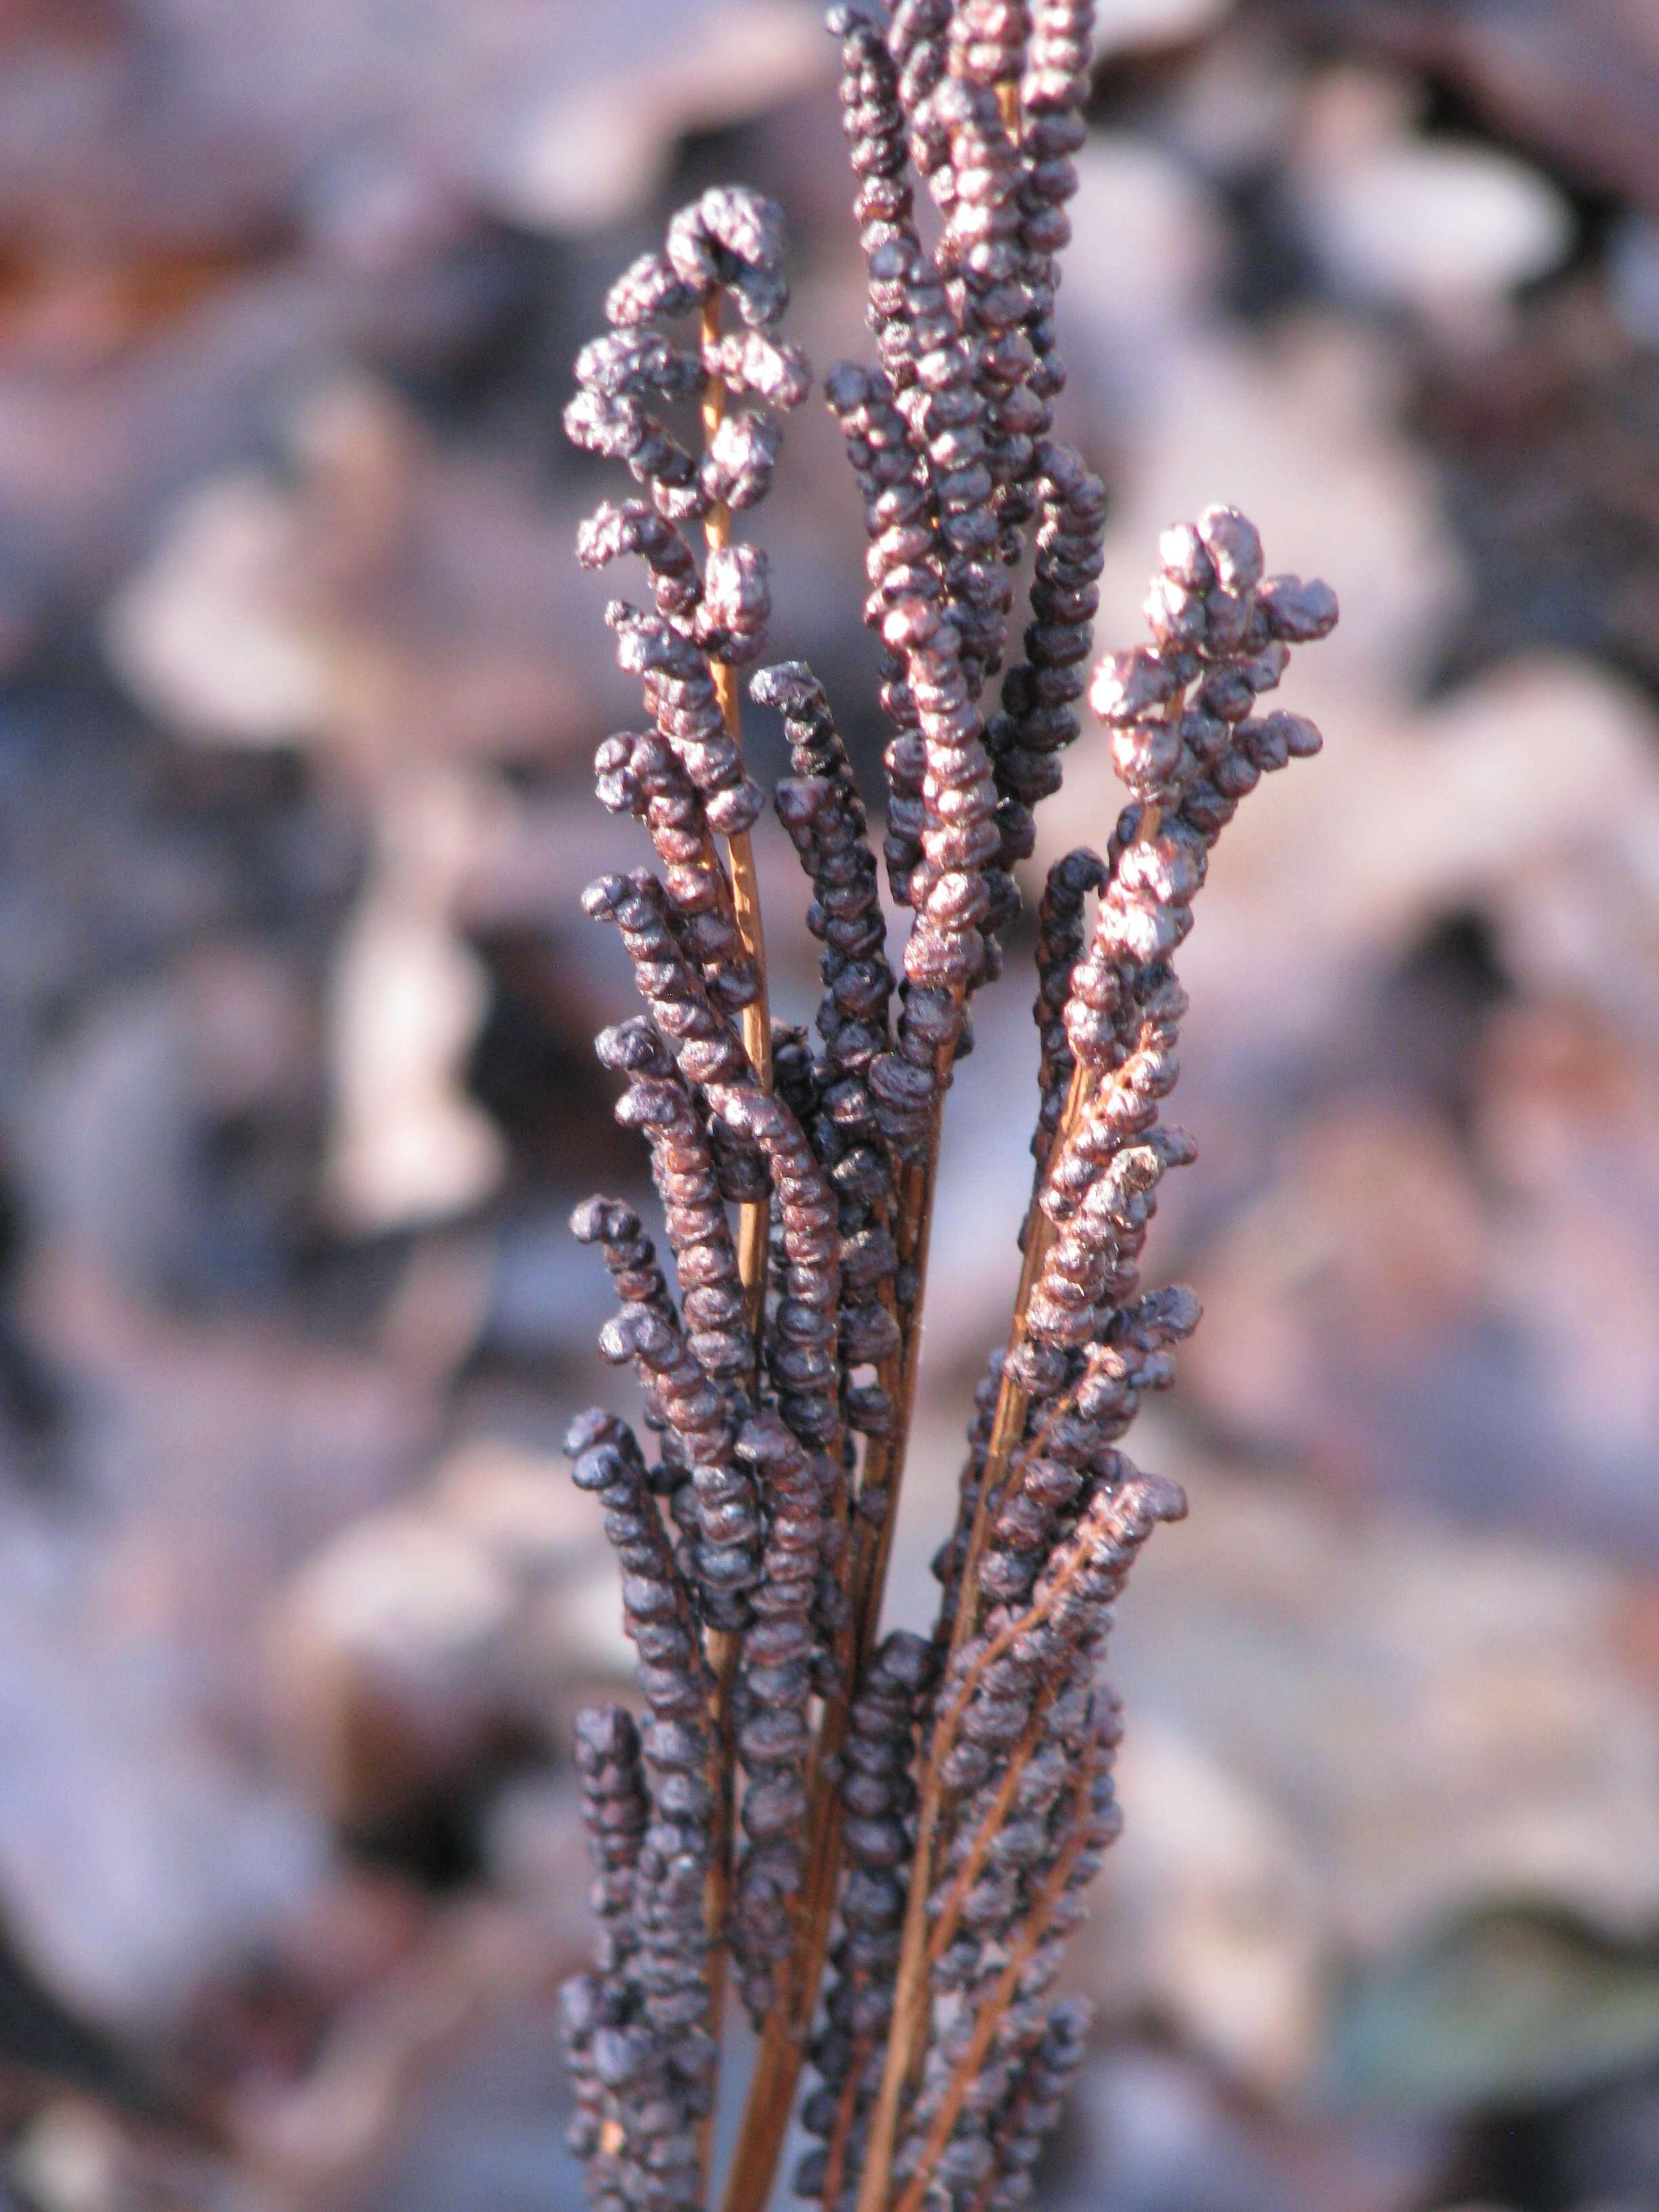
753,1219
754,1225
1008,1425
787,2029
944,1933
916,1958
834,2171
909,2001
884,1465
991,2011
771,2102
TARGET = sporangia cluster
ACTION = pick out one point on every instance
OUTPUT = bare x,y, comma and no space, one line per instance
878,1845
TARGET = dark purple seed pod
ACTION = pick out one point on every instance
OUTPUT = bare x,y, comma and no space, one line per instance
704,1044
1129,685
987,41
806,1379
616,1808
1299,612
1234,546
665,1968
731,240
643,774
737,469
617,375
1058,950
688,1371
1037,718
873,121
648,289
890,472
770,1708
821,810
737,604
751,364
631,527
879,1790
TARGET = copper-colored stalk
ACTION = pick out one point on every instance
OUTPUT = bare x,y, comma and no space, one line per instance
994,2009
1008,1425
910,1992
943,1934
835,2166
785,2033
753,1219
916,1958
787,2027
754,1228
1007,1428
883,1459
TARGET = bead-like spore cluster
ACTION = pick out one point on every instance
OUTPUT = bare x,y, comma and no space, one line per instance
911,1821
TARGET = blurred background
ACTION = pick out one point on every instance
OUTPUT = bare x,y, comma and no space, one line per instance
299,684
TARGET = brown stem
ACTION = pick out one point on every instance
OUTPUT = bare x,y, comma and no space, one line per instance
1007,1428
754,1216
1008,1424
911,1990
1012,1404
944,1927
883,1462
834,2167
909,1998
785,2031
994,2009
787,2027
754,1231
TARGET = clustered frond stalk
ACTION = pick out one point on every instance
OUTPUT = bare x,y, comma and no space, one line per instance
882,1841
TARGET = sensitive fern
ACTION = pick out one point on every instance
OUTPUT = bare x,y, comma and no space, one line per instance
884,1842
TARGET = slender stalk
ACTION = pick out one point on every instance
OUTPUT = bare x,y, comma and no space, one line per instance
785,2034
753,1218
909,2001
1007,1428
753,1240
834,2170
883,1462
916,1958
993,2011
1008,1425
